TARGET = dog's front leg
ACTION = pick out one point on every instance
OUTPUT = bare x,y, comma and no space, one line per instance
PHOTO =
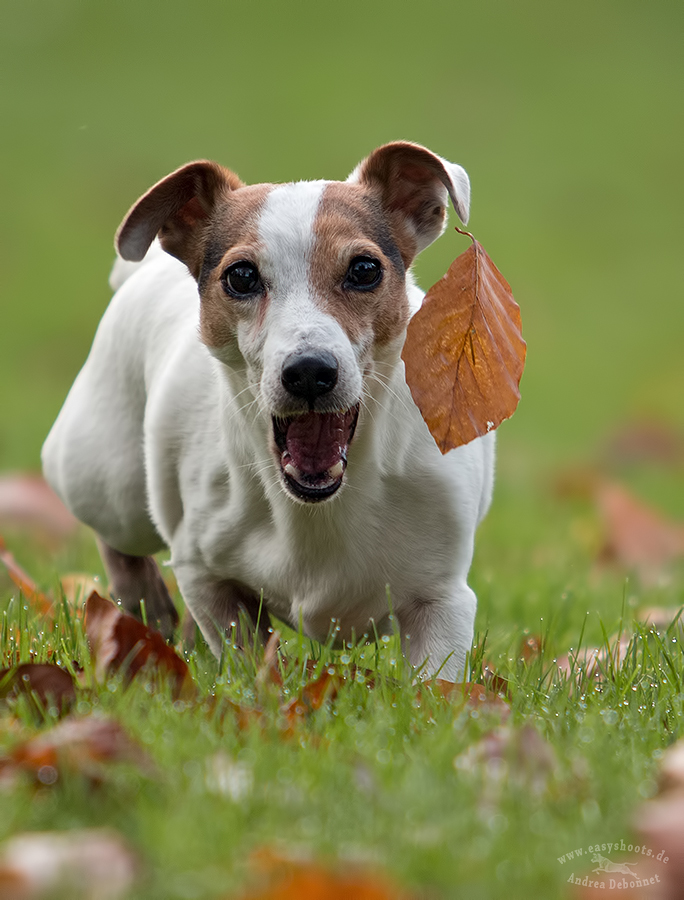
224,610
437,635
136,578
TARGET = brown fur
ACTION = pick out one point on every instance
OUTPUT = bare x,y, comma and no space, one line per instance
350,223
412,188
232,236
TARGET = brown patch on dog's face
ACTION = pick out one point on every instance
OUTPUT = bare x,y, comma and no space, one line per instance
350,225
231,237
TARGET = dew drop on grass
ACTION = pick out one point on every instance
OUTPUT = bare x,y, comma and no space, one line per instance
47,775
610,716
345,659
498,823
648,788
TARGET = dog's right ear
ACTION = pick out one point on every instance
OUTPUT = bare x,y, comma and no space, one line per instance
177,209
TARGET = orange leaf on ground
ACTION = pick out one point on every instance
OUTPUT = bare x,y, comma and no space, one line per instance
313,695
118,640
311,881
646,440
471,695
78,586
49,683
26,500
24,581
596,661
464,352
89,864
495,682
660,824
84,745
638,536
530,648
659,617
508,756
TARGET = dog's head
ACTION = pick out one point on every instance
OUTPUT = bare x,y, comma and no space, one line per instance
303,286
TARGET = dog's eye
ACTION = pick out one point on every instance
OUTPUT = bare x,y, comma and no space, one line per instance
241,279
364,273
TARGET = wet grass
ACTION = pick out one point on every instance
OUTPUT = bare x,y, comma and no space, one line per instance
390,777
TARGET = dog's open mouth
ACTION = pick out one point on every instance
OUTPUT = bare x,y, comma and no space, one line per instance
313,451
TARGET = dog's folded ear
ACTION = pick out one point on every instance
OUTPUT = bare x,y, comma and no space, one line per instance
415,184
177,209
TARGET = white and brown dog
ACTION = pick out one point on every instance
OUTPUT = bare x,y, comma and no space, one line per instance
244,404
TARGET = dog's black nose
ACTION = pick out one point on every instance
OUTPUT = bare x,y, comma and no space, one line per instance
309,375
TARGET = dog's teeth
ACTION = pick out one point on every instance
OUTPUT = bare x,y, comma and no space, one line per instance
336,470
292,471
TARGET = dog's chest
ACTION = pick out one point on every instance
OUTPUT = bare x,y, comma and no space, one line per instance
316,568
349,561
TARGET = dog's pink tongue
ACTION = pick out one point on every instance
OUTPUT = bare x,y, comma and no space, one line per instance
317,441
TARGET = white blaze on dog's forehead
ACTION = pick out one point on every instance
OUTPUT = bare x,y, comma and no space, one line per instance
286,230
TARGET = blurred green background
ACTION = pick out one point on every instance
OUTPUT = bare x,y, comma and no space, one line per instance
567,116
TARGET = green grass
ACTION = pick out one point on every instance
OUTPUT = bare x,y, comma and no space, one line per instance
377,775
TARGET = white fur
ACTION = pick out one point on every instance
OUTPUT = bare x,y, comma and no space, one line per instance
161,443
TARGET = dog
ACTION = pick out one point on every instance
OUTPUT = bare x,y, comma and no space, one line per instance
244,404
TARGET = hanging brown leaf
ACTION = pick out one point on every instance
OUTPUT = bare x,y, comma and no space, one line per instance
118,640
464,352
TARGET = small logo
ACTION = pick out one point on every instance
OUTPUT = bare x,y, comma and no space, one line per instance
605,865
610,875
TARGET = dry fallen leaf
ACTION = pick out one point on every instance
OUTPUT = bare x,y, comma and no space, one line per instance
85,745
637,536
646,440
473,696
78,586
26,500
509,755
290,879
530,648
49,683
24,581
594,662
464,352
89,864
660,824
119,641
292,712
660,617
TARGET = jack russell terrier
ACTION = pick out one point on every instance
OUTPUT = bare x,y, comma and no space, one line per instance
244,404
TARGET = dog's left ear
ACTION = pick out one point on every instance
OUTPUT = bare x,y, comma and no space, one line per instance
415,184
177,208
